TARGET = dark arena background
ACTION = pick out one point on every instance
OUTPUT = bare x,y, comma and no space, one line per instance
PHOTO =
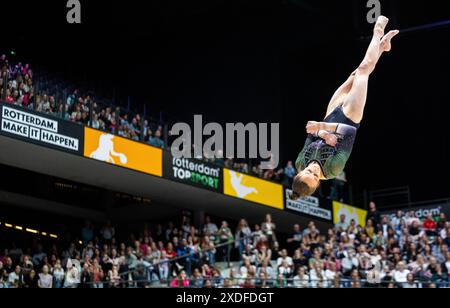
92,197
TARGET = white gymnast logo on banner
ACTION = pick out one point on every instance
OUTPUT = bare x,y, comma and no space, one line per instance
105,150
241,190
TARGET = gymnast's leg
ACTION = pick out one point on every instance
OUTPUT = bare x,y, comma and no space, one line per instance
340,94
355,101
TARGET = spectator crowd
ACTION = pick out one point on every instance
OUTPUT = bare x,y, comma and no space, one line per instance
391,252
18,87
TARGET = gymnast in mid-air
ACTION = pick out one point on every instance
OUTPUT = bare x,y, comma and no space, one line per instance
330,143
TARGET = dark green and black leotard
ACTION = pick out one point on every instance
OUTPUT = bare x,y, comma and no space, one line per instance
332,160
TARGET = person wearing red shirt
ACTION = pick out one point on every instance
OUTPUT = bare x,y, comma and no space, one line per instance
171,253
430,225
9,97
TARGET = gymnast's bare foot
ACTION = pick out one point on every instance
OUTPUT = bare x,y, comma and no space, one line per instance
380,25
386,41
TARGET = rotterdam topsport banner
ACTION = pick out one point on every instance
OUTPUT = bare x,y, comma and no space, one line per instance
122,152
38,128
422,212
193,172
252,189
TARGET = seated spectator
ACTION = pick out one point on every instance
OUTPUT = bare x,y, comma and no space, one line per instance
15,278
114,277
216,278
267,269
330,274
299,260
412,218
429,225
31,280
26,264
296,238
197,279
280,282
317,275
45,278
181,281
263,254
410,283
156,140
247,268
414,230
284,269
248,284
341,225
349,262
58,274
370,229
284,258
401,273
301,280
408,259
250,254
289,174
262,282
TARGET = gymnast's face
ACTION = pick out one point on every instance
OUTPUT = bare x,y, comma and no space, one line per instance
309,177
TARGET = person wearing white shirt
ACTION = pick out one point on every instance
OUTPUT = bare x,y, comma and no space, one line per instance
375,257
247,267
284,269
45,279
317,275
284,257
330,274
209,228
401,274
397,221
349,262
301,280
72,276
411,218
15,279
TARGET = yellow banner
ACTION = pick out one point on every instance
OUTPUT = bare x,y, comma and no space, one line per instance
350,213
122,152
252,189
